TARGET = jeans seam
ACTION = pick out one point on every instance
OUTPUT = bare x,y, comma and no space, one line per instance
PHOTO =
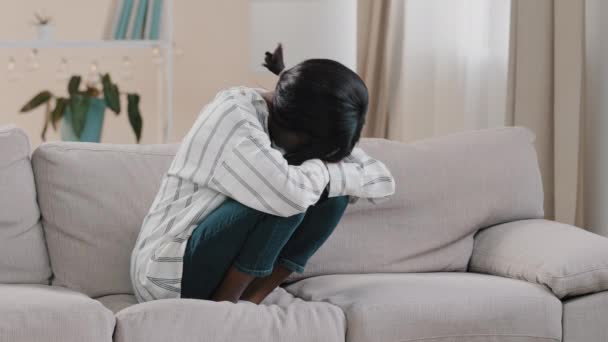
291,265
252,272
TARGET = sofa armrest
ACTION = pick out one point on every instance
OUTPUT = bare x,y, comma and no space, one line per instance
568,260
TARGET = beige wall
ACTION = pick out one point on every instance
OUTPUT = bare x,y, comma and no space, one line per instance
212,34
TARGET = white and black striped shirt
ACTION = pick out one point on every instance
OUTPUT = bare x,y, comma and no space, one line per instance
228,153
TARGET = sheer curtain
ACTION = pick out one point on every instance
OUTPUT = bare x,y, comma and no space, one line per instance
440,66
448,67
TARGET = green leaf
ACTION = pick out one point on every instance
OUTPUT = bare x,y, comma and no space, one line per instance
40,98
134,114
73,84
111,94
79,106
58,111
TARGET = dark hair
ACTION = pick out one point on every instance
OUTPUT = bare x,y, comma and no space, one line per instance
322,98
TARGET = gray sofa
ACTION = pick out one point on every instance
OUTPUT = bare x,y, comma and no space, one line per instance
460,253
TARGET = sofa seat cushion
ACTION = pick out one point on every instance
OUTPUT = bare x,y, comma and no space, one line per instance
23,255
455,307
586,318
118,302
51,314
280,318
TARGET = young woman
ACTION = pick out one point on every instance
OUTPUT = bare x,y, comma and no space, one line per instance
257,186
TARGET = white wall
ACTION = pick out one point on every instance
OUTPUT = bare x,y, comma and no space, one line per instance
596,120
307,29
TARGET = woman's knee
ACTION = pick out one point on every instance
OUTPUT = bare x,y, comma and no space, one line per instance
338,203
237,207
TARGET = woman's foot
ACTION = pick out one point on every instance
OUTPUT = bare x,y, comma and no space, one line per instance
260,288
232,286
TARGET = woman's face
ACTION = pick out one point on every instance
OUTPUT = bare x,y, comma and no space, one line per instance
291,141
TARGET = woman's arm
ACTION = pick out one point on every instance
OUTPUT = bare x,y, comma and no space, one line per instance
258,176
360,176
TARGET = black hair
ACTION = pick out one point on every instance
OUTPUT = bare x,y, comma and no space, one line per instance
321,98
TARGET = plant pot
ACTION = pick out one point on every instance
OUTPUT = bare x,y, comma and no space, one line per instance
45,32
92,126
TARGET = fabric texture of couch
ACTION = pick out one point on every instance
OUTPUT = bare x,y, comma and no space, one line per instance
461,252
23,255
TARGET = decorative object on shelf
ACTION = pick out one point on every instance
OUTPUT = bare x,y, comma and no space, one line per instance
11,70
43,26
120,32
153,24
126,69
93,76
63,71
137,30
82,112
157,57
135,19
31,62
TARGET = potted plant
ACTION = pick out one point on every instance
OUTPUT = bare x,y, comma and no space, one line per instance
82,111
44,27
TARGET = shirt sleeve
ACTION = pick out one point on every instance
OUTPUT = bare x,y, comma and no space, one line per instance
257,175
360,176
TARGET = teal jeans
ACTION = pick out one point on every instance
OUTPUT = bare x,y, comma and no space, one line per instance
254,242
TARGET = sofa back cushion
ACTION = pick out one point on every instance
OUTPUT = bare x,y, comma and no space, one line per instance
23,255
94,197
447,188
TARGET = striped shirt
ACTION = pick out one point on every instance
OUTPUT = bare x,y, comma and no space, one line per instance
228,153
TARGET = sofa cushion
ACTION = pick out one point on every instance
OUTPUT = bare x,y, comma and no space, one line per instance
446,189
93,198
586,318
280,318
455,307
52,314
569,260
118,302
23,255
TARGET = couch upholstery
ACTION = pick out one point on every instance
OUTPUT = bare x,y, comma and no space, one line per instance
474,180
281,318
568,261
407,235
23,255
117,302
438,307
585,318
93,198
394,272
51,314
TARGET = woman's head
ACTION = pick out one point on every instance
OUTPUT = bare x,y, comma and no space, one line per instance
318,107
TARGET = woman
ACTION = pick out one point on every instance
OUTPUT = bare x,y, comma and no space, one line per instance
257,186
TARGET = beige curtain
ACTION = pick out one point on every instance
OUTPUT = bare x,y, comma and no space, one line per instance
546,92
378,42
542,87
433,66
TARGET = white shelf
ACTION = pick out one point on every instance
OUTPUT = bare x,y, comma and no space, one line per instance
101,44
